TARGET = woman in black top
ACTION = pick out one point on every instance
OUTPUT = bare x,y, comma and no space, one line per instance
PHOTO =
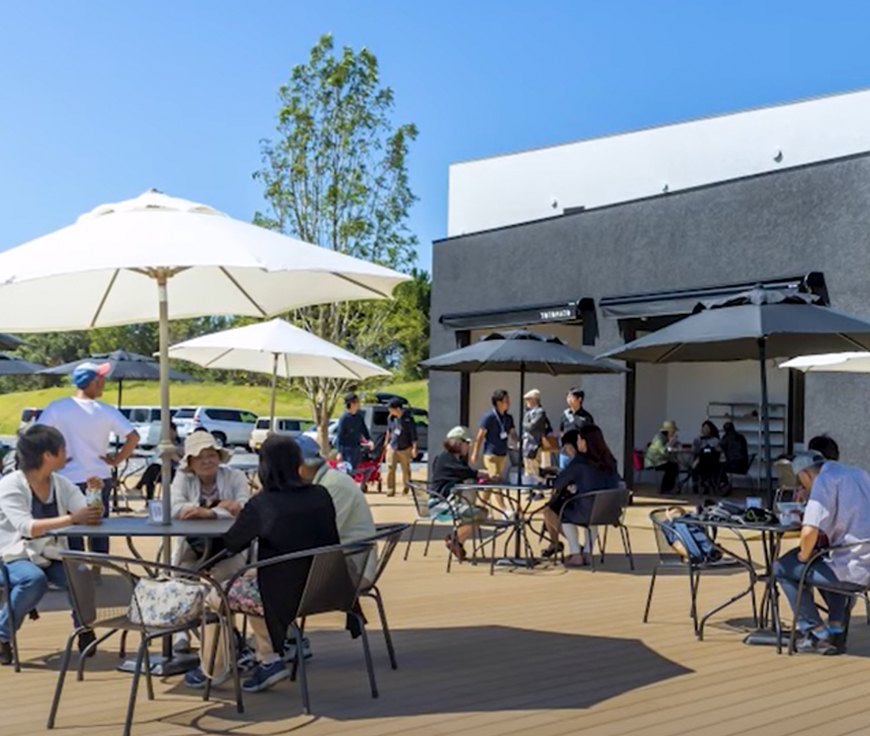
592,469
287,515
449,470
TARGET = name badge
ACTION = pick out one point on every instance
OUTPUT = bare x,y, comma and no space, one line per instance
155,512
504,435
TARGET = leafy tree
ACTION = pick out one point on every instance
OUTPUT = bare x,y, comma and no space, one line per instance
336,175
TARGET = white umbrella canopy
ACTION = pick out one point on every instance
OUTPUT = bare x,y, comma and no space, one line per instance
278,348
855,362
157,257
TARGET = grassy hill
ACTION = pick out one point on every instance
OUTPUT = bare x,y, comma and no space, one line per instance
253,398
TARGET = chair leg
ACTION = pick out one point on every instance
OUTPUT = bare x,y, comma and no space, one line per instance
61,676
411,532
429,537
134,686
370,668
450,551
149,684
602,544
652,584
388,638
867,607
299,663
626,545
693,592
83,657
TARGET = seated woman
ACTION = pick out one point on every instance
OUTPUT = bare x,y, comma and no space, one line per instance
706,465
152,473
34,500
593,468
735,450
451,469
204,488
287,515
660,455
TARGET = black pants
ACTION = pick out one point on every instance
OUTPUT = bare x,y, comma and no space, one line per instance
150,478
669,479
707,472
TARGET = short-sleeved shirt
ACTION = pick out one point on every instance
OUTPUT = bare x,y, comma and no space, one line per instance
574,420
87,426
839,506
402,431
498,428
448,471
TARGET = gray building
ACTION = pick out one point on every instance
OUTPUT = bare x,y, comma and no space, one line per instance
598,276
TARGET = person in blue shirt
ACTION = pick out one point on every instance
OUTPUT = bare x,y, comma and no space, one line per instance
496,430
352,433
401,444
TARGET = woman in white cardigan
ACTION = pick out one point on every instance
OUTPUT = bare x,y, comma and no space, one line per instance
35,500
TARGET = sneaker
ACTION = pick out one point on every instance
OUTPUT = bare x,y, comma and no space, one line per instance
265,676
181,645
86,638
812,644
197,679
5,653
290,649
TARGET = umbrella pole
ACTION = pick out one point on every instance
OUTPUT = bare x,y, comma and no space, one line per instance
765,423
274,391
522,398
166,447
120,392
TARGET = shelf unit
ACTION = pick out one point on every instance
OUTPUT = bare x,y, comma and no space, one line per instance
746,417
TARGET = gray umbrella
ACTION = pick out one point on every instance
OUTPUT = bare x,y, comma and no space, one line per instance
10,342
756,325
125,367
13,366
521,351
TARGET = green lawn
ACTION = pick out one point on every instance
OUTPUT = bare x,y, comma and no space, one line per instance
253,398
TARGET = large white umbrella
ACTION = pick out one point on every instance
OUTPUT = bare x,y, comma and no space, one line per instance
856,362
159,258
278,348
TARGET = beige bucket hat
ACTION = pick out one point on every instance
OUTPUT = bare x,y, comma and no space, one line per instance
195,443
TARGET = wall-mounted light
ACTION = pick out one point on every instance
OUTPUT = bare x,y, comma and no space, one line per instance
778,157
665,189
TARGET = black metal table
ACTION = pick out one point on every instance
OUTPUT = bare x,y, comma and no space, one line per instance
513,493
770,626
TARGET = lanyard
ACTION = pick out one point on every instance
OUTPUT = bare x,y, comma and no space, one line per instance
498,419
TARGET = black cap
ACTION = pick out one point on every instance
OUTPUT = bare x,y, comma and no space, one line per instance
350,398
395,403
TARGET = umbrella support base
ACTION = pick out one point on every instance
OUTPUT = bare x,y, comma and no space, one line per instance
513,562
765,638
163,666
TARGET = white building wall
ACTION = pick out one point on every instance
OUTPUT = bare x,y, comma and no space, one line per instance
531,185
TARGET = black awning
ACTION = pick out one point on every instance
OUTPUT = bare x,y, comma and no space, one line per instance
681,302
559,312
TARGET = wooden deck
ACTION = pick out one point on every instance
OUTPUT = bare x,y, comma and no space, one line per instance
548,652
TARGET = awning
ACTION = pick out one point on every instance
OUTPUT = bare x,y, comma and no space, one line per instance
574,312
681,302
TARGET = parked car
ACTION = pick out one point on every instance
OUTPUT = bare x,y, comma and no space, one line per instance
290,426
28,417
330,431
146,421
229,426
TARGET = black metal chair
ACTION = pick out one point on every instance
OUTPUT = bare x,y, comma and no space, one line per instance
607,508
420,495
726,477
6,599
334,583
853,591
99,608
495,522
388,535
670,559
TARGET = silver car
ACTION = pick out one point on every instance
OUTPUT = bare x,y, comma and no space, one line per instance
228,426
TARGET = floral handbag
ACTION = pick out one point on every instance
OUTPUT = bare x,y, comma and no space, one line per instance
165,602
244,596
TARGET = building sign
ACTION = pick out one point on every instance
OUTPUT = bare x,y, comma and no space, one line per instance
570,312
557,315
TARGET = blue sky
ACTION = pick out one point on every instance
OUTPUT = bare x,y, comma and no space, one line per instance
102,100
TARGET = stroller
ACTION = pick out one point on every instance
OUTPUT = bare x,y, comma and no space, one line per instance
369,469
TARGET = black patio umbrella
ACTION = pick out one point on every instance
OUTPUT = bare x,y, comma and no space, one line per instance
10,342
521,351
125,367
755,325
13,366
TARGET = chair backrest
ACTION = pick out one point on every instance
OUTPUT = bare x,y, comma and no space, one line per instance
608,506
665,551
335,578
420,495
388,535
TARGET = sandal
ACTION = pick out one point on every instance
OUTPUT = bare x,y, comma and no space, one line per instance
456,549
577,561
554,549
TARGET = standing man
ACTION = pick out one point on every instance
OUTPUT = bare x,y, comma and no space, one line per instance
401,444
536,426
573,418
495,430
87,426
351,432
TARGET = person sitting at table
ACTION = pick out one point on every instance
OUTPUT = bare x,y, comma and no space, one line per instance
34,500
660,455
705,453
839,508
205,488
735,450
153,472
288,515
450,469
593,468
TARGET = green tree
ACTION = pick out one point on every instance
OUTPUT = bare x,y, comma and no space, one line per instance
336,175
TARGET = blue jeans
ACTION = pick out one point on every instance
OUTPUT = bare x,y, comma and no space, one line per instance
788,570
351,454
29,583
95,544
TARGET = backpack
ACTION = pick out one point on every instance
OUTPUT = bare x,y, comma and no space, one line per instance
691,541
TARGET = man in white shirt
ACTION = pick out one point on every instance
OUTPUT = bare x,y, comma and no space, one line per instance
838,510
87,426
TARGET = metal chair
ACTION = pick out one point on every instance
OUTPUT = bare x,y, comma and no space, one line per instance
420,495
334,583
119,578
606,508
669,558
727,477
6,599
388,535
844,588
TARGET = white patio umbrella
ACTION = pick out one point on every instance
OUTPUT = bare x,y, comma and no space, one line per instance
278,348
118,264
855,362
